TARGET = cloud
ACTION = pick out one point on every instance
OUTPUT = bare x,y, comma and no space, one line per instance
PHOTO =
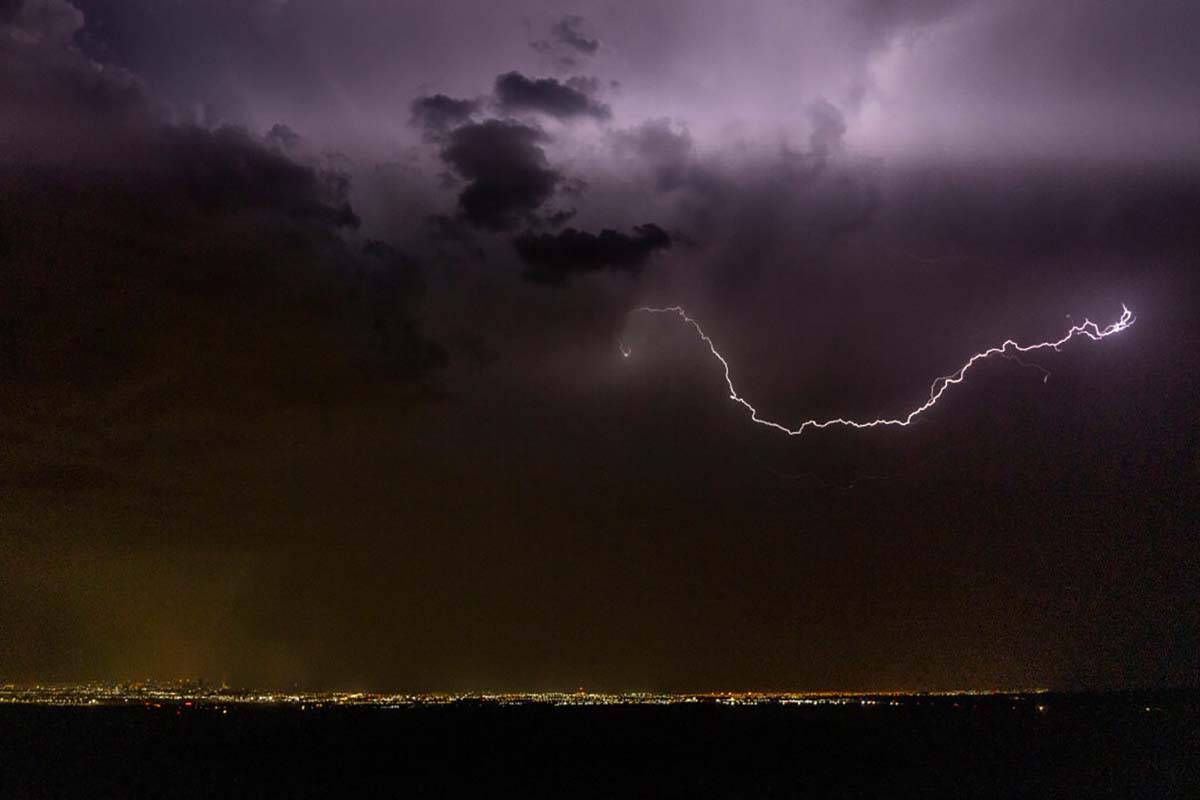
228,171
508,177
54,100
560,217
669,152
1021,80
589,85
825,142
566,30
43,20
742,211
517,93
283,136
438,113
828,128
213,225
169,277
392,293
755,217
553,258
444,228
567,43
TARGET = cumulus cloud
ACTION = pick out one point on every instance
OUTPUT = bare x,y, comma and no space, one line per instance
507,174
517,93
551,259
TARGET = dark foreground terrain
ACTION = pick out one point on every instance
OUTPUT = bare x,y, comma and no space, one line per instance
1087,745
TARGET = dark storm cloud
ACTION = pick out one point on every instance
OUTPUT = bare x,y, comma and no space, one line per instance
444,228
200,56
586,84
283,136
141,287
573,187
517,93
53,99
227,171
553,258
560,217
508,177
403,274
207,217
391,294
53,20
438,113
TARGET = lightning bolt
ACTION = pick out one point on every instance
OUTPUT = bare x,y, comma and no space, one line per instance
1009,349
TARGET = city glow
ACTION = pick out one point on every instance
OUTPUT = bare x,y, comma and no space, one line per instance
194,694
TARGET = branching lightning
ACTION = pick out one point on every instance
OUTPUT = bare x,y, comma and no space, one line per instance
1009,349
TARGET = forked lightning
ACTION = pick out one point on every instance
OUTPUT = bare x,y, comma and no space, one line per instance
1009,348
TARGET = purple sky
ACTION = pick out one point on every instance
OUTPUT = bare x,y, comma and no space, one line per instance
309,317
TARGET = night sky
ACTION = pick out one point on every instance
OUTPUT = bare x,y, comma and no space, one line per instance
311,319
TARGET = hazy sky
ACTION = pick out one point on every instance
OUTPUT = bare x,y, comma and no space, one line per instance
309,325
